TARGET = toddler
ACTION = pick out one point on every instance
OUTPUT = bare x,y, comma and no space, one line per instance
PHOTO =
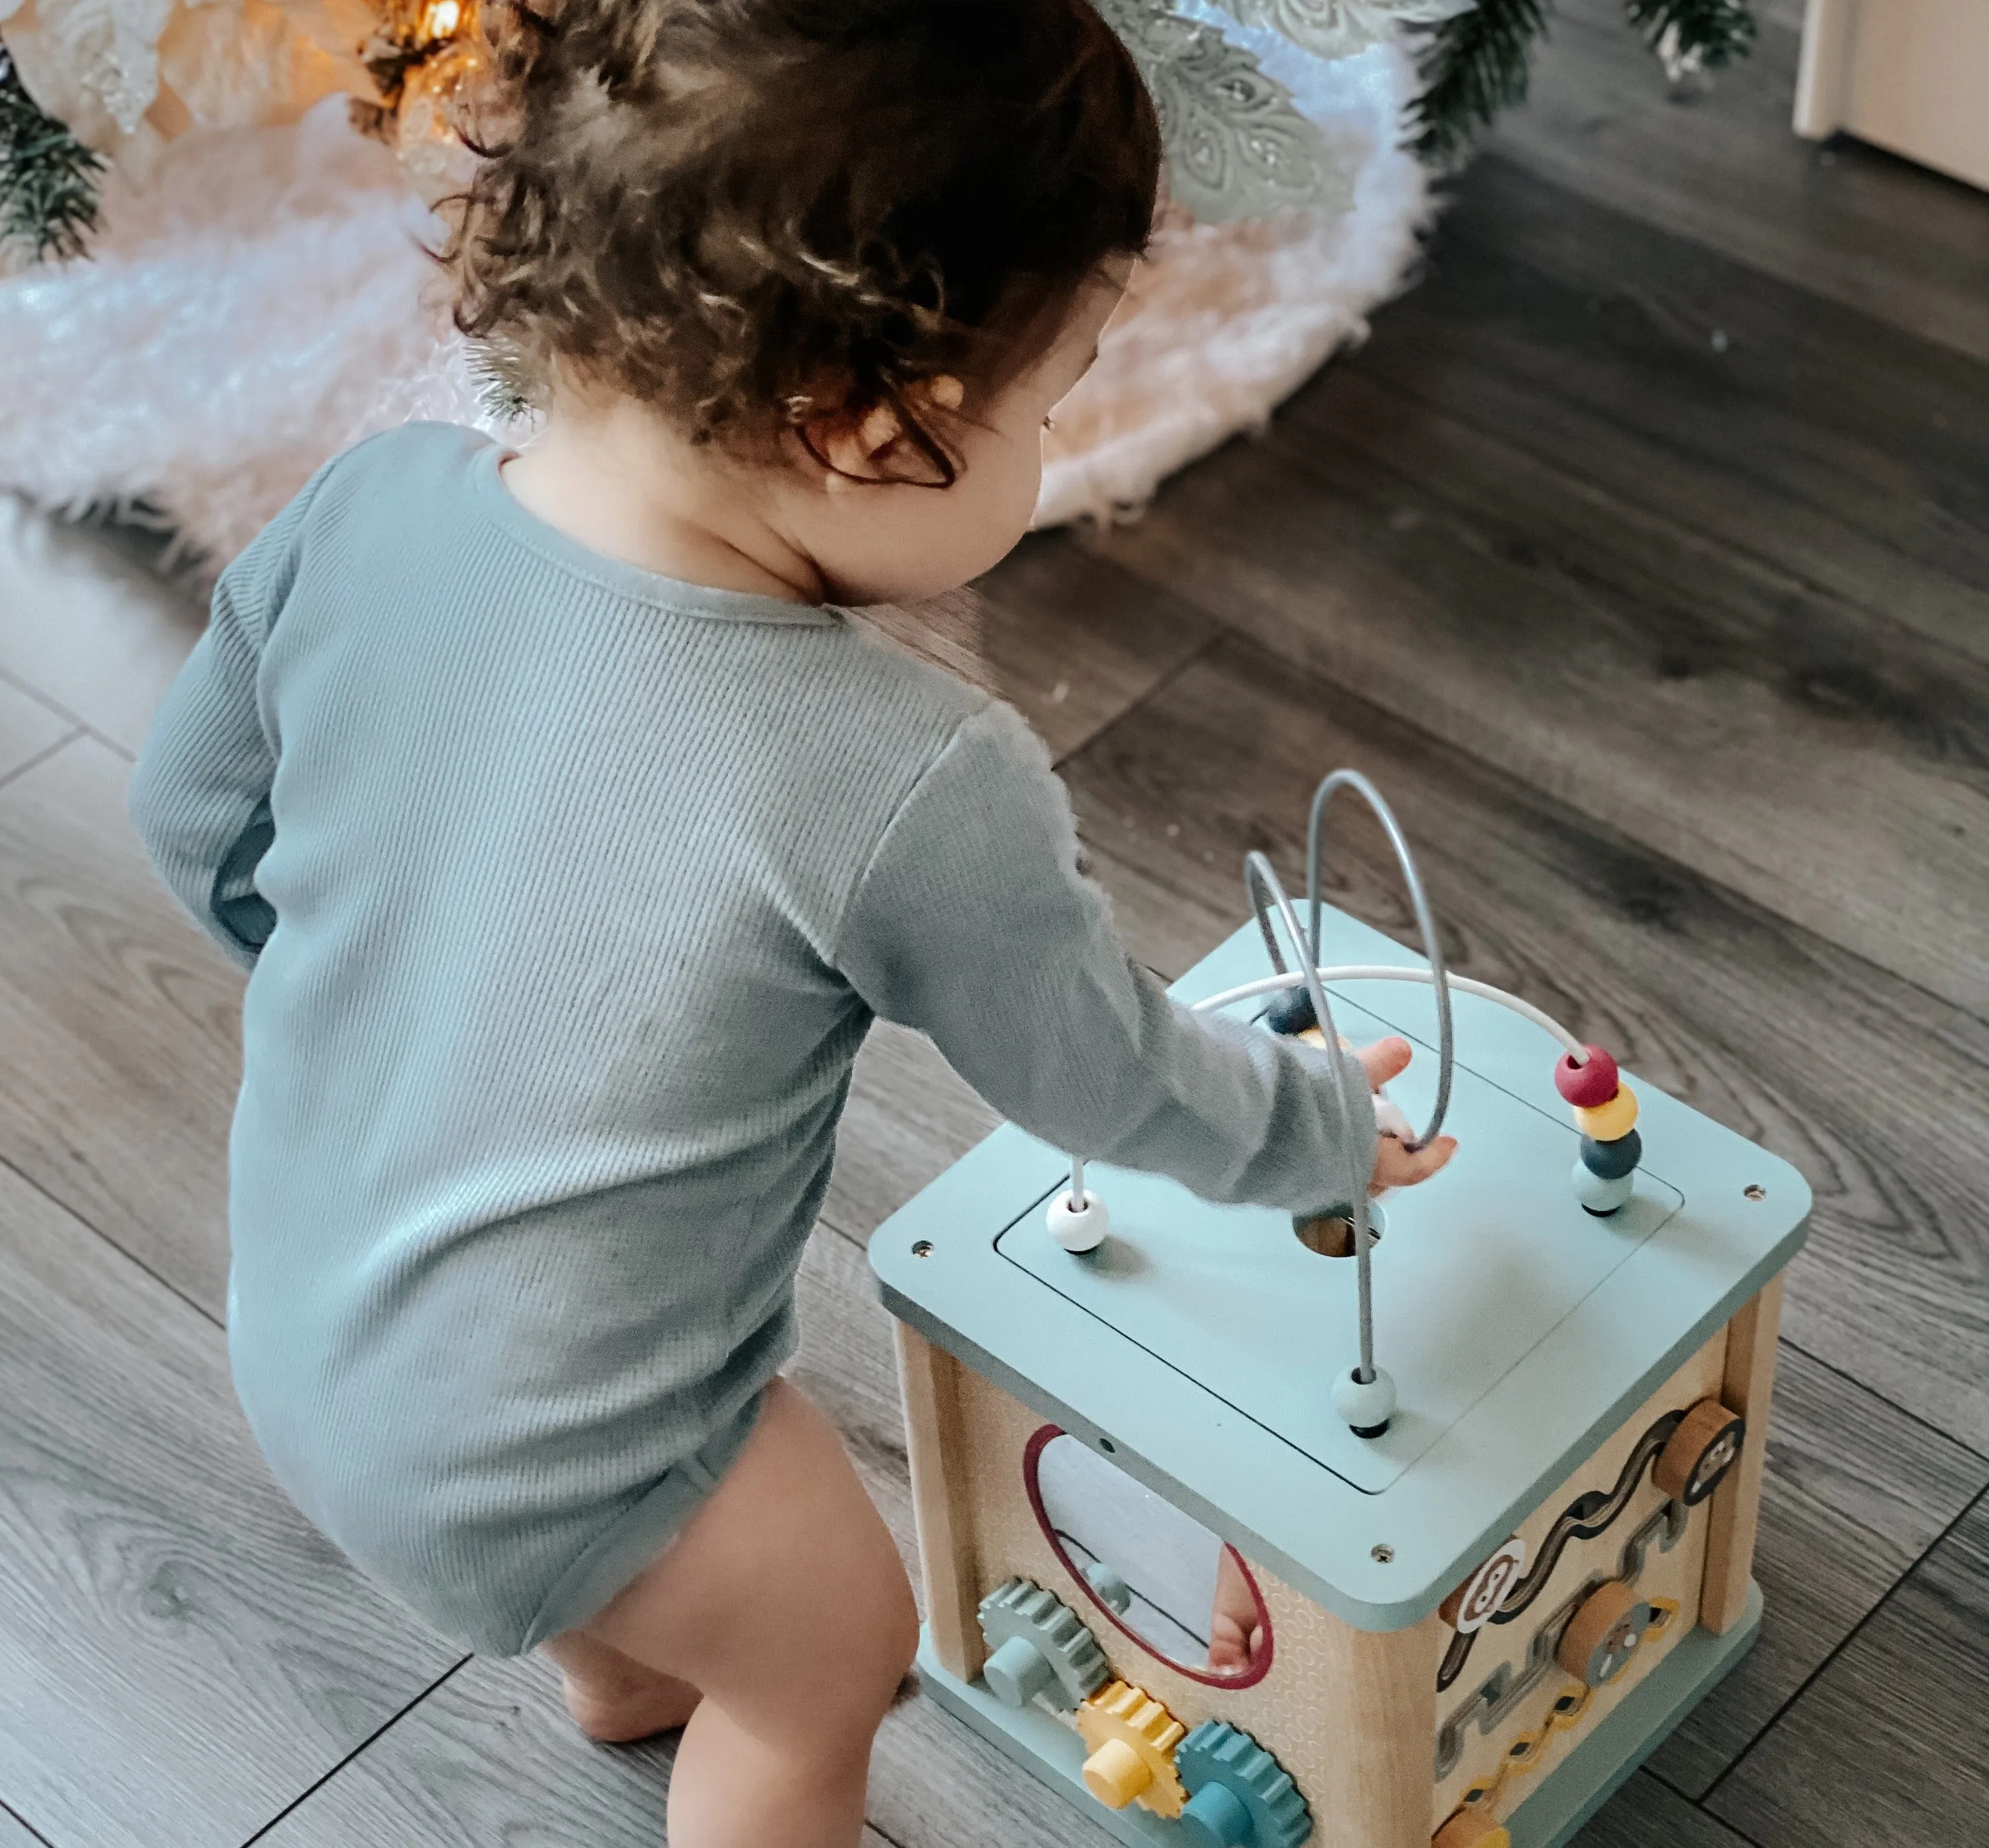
574,837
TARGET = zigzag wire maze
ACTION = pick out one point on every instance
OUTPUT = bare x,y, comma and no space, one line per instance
1585,1518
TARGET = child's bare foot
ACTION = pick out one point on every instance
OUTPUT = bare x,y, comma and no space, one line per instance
615,1700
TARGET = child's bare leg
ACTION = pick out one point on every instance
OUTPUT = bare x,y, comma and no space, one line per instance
613,1699
784,1601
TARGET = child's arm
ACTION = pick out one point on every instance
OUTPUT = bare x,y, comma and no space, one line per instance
199,797
974,923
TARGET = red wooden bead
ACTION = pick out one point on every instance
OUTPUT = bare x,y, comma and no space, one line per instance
1586,1086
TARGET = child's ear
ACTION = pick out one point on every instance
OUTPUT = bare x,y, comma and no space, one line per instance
864,445
856,444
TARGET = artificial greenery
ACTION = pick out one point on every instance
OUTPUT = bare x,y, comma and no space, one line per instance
1474,64
1694,34
48,179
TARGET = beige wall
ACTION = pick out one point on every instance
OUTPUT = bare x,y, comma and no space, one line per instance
1911,75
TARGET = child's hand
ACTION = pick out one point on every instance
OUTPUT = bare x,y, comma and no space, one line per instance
1394,1166
1233,1624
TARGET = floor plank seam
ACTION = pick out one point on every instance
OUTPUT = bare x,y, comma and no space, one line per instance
1882,325
110,744
96,1232
1775,570
15,1814
1161,685
159,1277
1518,161
1699,1803
862,1245
43,756
42,697
1960,1443
1604,831
304,1795
1843,1642
1784,574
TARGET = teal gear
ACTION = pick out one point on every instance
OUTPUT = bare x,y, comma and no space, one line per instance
1239,1796
1038,1644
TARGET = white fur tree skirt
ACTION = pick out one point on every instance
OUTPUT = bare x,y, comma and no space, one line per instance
264,302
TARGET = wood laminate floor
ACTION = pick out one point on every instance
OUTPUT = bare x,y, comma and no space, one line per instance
1642,556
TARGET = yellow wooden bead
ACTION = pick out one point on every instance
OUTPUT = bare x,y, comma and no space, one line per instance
1606,1122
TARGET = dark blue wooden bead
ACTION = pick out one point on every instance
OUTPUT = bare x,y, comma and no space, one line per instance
1607,1160
1291,1012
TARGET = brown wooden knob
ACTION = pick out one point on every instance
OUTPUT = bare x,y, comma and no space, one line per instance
1604,1634
1470,1606
1471,1829
1701,1451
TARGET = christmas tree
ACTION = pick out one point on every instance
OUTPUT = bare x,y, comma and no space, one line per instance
48,179
1474,64
400,58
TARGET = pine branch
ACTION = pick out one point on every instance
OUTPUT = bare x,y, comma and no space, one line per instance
501,390
1473,65
48,179
1692,35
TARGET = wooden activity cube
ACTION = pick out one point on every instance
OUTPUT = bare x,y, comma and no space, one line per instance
1115,1455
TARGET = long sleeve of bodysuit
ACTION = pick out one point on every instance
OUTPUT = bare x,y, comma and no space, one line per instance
199,797
974,924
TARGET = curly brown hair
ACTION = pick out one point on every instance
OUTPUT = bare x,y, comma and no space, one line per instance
755,214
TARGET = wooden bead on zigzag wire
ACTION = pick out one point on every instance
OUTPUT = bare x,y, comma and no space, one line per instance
1611,1121
1585,1085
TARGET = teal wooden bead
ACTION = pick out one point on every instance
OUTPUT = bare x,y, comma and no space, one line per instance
1017,1672
1291,1012
1216,1818
1600,1196
1612,1160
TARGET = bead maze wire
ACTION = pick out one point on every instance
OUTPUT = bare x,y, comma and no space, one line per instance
1267,894
1419,902
1387,971
1264,889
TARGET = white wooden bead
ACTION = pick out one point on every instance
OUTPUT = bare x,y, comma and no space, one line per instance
1599,1196
1365,1405
1079,1228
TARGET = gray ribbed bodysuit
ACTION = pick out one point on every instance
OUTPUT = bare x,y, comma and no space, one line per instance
569,893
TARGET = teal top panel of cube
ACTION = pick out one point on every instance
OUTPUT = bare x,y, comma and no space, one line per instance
1470,1275
1200,1344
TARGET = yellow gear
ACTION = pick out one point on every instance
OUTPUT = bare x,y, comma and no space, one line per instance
1132,1739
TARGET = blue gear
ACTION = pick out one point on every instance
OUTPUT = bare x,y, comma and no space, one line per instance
1239,1796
